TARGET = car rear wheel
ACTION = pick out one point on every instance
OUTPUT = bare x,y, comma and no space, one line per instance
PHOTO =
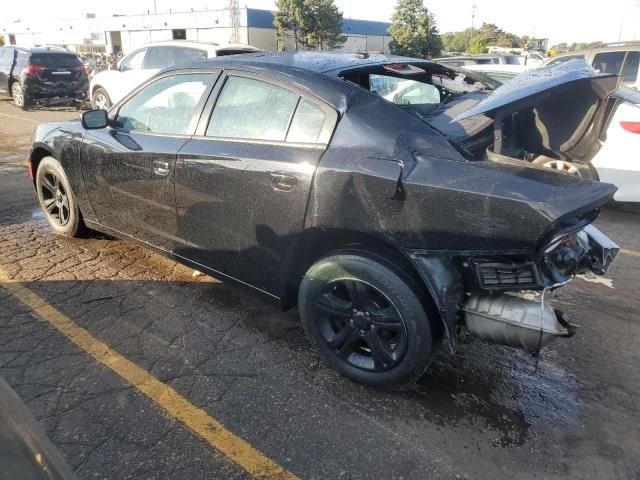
19,98
366,319
101,99
57,199
577,170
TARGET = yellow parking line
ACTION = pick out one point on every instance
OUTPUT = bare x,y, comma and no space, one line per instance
633,253
176,406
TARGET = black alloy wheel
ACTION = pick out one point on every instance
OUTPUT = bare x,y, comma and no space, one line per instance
361,325
367,317
55,199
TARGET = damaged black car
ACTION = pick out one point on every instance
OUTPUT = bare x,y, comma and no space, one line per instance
391,199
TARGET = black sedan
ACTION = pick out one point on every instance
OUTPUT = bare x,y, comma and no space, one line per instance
389,198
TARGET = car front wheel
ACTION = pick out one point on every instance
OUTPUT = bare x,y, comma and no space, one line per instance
365,317
57,199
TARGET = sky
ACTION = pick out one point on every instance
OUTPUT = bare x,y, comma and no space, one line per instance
559,20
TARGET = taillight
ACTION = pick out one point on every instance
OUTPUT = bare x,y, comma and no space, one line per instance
32,70
633,127
82,68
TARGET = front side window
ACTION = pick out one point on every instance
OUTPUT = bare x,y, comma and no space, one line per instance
608,62
252,109
133,61
168,106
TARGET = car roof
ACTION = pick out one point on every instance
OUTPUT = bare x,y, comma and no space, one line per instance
209,46
318,62
40,49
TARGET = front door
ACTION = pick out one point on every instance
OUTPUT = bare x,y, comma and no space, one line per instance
242,183
129,168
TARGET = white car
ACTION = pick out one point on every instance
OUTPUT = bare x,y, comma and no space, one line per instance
616,162
110,86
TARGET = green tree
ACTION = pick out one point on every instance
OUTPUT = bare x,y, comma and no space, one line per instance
314,24
414,31
321,25
287,19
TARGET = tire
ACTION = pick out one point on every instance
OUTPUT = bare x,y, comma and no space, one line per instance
575,169
57,199
101,99
381,338
20,99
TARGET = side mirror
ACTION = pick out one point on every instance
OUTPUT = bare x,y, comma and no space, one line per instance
94,119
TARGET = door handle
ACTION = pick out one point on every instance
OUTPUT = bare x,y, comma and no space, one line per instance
161,168
282,181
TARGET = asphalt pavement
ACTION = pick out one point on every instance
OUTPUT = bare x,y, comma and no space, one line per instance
136,368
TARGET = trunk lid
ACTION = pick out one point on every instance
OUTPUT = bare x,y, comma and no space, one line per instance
57,69
560,111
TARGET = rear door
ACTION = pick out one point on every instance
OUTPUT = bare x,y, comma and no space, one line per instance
6,63
129,168
242,183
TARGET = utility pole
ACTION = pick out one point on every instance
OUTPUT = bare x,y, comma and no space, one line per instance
473,15
234,10
155,7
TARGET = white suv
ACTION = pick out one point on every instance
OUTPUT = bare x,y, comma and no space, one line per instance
109,86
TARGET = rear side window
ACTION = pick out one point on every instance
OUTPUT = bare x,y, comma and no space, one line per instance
182,56
159,57
630,67
307,123
55,60
252,109
608,62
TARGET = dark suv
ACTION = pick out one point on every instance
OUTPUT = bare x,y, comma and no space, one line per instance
42,75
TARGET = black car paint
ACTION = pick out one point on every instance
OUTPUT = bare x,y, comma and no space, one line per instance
64,82
385,179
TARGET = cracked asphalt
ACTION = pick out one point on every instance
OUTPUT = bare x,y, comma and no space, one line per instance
484,412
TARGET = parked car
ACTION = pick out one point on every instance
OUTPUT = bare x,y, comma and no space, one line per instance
622,58
109,86
291,174
42,75
531,59
615,162
500,73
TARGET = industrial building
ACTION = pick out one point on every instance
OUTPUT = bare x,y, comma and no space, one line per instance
127,32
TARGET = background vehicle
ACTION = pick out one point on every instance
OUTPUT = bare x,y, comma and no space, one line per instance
293,175
622,58
501,73
42,75
530,60
109,86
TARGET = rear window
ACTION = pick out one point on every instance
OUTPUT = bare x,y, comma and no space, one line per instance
59,60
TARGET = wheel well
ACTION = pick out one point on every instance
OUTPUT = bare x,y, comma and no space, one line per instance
36,157
315,244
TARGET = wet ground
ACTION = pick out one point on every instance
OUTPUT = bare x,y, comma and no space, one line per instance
483,412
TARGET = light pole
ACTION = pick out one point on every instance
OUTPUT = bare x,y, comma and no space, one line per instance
473,15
